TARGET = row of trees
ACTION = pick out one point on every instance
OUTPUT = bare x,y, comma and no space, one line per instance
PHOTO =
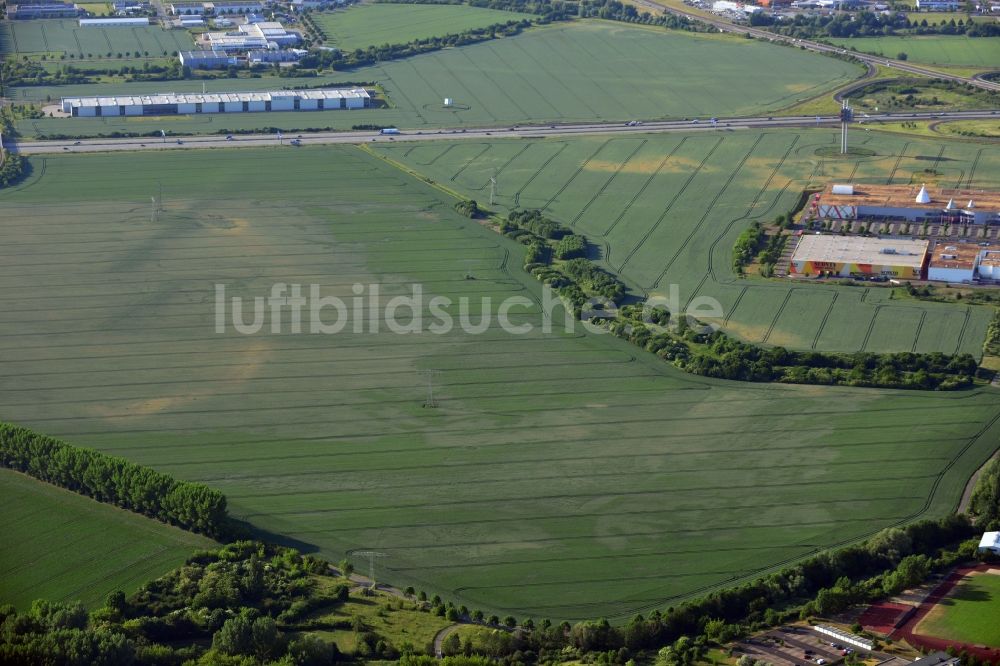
869,24
613,10
711,353
115,480
985,500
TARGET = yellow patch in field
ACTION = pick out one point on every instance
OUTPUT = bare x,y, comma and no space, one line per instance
247,366
649,166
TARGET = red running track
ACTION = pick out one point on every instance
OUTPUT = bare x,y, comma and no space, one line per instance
932,643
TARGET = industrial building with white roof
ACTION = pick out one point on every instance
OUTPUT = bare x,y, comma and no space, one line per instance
231,102
848,256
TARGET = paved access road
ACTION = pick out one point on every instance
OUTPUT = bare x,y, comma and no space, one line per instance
727,26
533,131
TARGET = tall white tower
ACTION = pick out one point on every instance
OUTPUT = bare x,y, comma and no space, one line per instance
846,116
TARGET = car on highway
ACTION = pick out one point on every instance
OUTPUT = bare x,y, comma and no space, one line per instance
179,142
76,143
229,137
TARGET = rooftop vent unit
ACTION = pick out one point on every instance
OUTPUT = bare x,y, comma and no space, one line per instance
843,189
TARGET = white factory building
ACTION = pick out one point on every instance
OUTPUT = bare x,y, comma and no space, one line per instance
113,22
234,102
963,262
252,37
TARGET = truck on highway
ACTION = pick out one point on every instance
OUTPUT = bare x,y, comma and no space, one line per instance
388,130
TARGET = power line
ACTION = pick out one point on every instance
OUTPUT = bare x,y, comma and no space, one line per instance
372,555
429,374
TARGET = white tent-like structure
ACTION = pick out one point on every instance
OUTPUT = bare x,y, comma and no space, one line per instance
922,196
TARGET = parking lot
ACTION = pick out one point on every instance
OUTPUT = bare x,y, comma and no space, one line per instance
791,646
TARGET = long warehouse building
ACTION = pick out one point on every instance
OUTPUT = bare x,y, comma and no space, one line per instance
856,256
166,104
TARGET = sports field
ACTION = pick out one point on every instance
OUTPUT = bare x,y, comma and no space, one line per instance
930,49
665,210
56,37
969,614
589,70
391,23
62,546
561,475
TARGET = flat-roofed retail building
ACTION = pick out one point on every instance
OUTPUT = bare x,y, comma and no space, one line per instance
856,256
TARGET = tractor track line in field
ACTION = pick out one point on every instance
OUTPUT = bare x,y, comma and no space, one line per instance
642,189
486,107
611,178
920,326
538,93
747,215
553,441
777,316
538,171
972,171
579,170
471,161
871,327
826,317
965,326
708,210
444,152
648,457
937,160
670,205
732,310
651,475
558,79
899,159
511,98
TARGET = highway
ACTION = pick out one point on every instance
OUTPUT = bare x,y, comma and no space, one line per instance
727,26
516,131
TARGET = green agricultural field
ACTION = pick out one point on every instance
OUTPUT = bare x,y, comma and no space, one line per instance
62,546
665,210
559,474
391,23
589,70
970,614
56,36
931,49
